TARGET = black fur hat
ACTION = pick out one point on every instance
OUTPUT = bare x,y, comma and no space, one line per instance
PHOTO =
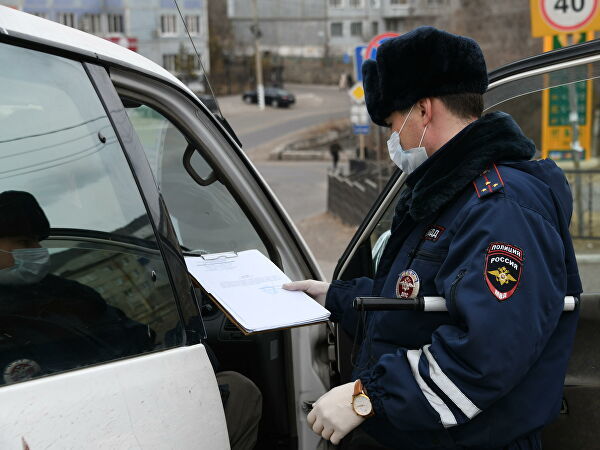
425,62
21,215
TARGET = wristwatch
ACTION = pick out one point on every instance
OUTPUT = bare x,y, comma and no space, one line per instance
361,403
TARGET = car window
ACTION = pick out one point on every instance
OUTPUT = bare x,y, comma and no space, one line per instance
206,216
98,289
560,112
382,231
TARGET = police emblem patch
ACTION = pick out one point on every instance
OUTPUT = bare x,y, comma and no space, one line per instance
503,268
408,284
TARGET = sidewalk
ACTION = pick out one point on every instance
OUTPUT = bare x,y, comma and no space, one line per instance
327,237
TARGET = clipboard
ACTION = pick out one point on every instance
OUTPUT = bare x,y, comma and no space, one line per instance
246,286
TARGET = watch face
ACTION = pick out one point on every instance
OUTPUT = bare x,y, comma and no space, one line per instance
362,405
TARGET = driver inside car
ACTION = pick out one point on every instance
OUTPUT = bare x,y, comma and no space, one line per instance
49,323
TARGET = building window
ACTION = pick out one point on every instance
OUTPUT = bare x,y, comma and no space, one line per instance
67,19
193,24
356,29
356,3
398,2
39,14
337,29
115,23
168,24
335,3
169,62
91,23
374,28
393,25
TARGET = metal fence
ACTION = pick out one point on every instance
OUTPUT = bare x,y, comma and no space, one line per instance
585,186
349,197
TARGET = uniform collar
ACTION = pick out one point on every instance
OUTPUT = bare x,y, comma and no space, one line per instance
492,138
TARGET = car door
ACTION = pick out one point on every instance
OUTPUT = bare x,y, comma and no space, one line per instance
532,91
217,202
99,353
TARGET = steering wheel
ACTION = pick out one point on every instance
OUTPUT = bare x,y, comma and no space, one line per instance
34,346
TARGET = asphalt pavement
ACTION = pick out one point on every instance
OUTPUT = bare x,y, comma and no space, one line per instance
314,105
301,186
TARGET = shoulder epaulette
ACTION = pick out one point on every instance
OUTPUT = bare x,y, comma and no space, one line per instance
488,182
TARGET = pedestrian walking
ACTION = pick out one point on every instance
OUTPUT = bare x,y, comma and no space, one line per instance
479,224
334,151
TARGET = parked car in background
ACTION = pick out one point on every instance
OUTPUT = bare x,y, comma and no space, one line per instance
276,97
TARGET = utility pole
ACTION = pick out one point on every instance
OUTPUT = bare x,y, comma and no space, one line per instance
260,89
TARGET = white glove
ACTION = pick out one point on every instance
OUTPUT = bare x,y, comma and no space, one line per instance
332,415
316,289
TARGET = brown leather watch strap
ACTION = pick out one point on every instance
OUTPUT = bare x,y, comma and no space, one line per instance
358,387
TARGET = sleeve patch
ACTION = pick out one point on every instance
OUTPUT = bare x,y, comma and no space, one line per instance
503,268
433,233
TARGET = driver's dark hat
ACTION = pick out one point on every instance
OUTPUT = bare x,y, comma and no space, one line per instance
425,62
21,215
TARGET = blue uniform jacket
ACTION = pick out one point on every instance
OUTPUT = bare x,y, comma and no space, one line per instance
488,230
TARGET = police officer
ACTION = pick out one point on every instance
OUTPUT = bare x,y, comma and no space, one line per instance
484,227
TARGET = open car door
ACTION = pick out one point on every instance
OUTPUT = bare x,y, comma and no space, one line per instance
540,93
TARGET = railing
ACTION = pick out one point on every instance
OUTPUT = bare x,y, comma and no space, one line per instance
585,186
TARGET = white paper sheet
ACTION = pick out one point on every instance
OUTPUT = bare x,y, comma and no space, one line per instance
248,287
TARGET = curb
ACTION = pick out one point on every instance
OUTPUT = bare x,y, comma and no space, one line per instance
288,150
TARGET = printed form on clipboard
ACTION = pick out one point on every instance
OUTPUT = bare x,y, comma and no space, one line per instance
247,287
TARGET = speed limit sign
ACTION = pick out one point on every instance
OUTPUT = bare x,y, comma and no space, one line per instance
549,17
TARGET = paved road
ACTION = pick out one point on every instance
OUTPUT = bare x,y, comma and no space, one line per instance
301,186
315,104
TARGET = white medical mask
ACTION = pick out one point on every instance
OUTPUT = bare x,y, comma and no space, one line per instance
407,160
31,266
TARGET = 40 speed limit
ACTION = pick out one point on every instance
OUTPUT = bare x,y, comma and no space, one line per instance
568,15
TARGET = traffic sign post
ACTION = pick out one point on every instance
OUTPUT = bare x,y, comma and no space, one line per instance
566,112
357,93
359,117
371,50
360,129
550,17
359,57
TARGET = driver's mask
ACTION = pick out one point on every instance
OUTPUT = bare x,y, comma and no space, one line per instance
31,266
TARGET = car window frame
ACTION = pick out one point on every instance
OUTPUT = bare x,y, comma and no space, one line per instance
185,298
214,176
220,153
154,209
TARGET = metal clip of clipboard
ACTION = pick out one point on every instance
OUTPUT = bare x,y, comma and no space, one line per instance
217,256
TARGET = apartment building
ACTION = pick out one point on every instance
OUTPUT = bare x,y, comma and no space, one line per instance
315,28
152,28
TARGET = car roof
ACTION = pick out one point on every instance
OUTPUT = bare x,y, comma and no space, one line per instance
35,29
